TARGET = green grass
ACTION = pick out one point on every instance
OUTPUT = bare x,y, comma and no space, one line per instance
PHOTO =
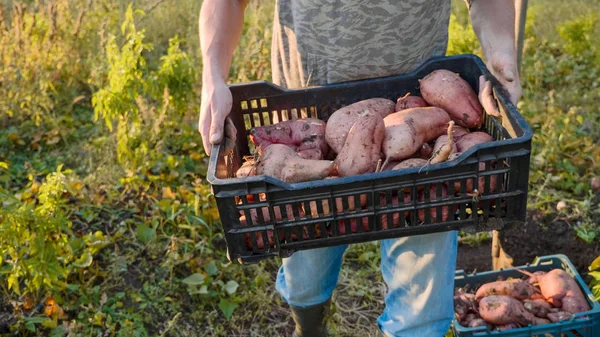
162,267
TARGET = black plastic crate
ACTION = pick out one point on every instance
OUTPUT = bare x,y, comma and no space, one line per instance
306,217
583,324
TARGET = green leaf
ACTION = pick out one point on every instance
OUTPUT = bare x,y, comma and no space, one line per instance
194,279
227,308
203,290
76,244
211,268
231,287
49,323
595,275
145,233
30,326
84,261
366,256
596,264
13,283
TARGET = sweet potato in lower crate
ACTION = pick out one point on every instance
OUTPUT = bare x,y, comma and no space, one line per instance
536,299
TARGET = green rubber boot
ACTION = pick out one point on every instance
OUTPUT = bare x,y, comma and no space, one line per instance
311,321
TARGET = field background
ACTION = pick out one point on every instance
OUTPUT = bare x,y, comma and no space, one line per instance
107,225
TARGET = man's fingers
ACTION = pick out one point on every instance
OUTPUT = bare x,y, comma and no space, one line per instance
486,97
219,113
204,128
230,130
230,135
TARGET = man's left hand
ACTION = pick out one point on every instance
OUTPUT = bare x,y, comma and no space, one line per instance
503,65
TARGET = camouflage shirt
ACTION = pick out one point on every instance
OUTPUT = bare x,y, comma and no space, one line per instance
316,42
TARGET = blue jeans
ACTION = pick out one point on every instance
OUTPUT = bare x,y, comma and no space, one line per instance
418,270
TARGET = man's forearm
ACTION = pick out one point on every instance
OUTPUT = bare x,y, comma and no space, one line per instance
221,23
493,22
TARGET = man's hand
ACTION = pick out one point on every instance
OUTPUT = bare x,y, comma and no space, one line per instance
214,109
220,28
493,22
504,67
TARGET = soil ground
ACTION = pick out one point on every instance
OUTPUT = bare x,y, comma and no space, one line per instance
539,236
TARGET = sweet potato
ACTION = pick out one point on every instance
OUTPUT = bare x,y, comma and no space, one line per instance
468,319
362,148
501,310
425,151
444,146
390,166
534,278
290,214
493,181
407,130
411,162
464,304
507,326
471,139
556,317
516,288
561,290
247,169
314,154
538,308
283,163
479,322
407,101
395,216
433,210
458,132
447,90
300,135
353,225
340,122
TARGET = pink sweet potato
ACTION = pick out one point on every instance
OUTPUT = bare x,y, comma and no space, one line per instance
314,154
562,291
247,169
407,101
556,317
501,310
407,130
510,326
395,216
468,319
471,139
362,148
458,132
464,303
300,135
340,122
411,162
283,163
479,322
539,308
425,151
354,226
534,278
390,166
493,182
433,210
447,90
516,288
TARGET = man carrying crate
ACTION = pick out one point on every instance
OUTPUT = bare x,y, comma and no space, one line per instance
318,42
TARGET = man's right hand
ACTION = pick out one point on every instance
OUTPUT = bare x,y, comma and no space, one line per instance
215,107
220,24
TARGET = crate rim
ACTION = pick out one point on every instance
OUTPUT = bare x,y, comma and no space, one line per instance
484,331
502,96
